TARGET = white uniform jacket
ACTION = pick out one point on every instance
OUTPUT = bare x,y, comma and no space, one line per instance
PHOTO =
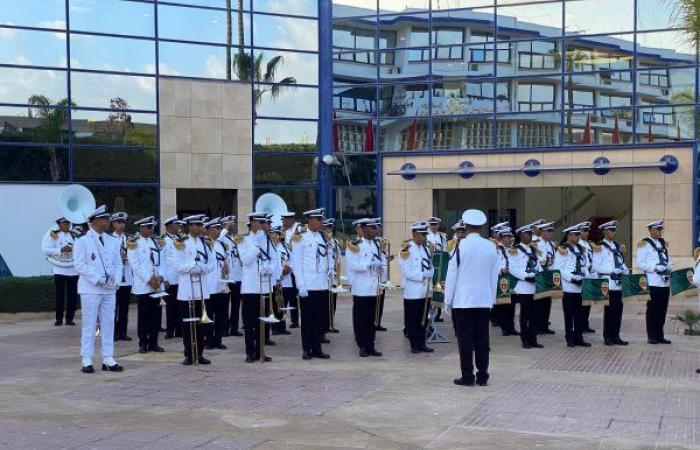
127,276
652,253
169,254
524,260
94,260
365,279
312,261
589,258
54,240
214,284
503,261
571,260
256,252
546,251
696,275
235,266
289,233
147,258
193,252
439,241
607,257
472,275
285,260
413,260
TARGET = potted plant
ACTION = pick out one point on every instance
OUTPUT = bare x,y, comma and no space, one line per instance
691,319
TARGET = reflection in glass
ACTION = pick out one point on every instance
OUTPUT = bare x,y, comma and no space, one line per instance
354,136
285,32
285,135
353,170
598,127
113,91
355,203
40,164
668,48
402,5
112,16
202,25
293,7
407,135
192,60
300,199
40,124
286,101
587,55
19,85
600,16
665,123
115,164
657,15
350,8
235,4
528,130
32,48
35,13
538,55
472,96
140,201
112,54
285,169
358,98
532,17
664,85
401,100
114,128
536,96
303,67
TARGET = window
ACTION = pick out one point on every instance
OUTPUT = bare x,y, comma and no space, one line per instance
617,106
45,164
41,125
200,25
285,32
581,99
535,97
115,164
654,77
114,128
285,135
419,38
658,116
449,43
113,16
99,53
537,55
284,168
113,91
27,86
347,43
469,97
484,53
32,48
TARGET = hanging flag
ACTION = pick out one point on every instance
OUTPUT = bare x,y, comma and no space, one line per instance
650,135
635,288
586,139
595,291
411,138
548,284
682,282
369,137
336,134
506,284
616,132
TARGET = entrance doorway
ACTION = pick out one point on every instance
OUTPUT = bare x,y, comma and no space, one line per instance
212,202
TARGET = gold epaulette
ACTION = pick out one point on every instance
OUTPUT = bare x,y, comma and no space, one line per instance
431,246
161,241
302,229
132,242
641,243
562,250
296,237
342,243
207,240
238,239
53,234
404,253
535,248
353,246
275,238
513,251
596,248
451,244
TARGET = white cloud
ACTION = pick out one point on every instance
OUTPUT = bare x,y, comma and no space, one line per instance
165,69
215,68
8,34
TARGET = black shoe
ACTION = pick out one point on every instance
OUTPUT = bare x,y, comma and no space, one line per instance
439,319
380,328
462,381
482,379
226,333
275,333
187,362
589,330
249,359
619,341
114,368
236,333
364,354
162,330
425,349
58,323
415,350
286,332
209,346
294,325
527,346
548,331
70,323
306,356
270,343
117,338
482,383
168,336
267,359
583,343
536,345
652,341
609,342
664,341
220,346
333,330
143,349
156,348
88,369
320,355
325,341
125,338
203,360
571,344
697,370
375,353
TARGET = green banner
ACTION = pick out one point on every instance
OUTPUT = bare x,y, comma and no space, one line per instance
506,284
548,284
682,283
595,291
440,262
635,288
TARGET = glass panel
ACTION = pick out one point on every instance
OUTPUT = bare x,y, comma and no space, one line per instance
112,54
528,130
352,136
29,86
359,98
471,132
140,202
296,199
601,128
409,64
285,135
36,48
113,91
386,6
350,8
599,53
298,7
543,56
112,16
115,164
235,5
579,99
671,48
663,85
536,95
44,164
114,128
657,15
401,100
285,32
345,63
599,16
302,67
455,4
472,96
352,170
355,203
404,135
526,20
664,123
35,13
286,101
409,29
202,25
191,60
285,169
40,125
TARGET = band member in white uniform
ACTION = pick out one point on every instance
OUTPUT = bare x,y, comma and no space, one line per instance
291,295
506,318
282,283
58,243
524,265
416,261
585,228
497,310
234,276
470,289
147,257
217,305
654,260
439,241
173,321
609,263
546,250
99,264
121,316
337,254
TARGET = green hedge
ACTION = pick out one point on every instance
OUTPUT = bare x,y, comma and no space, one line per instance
26,294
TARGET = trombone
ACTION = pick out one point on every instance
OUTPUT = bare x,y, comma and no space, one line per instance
193,320
265,319
428,294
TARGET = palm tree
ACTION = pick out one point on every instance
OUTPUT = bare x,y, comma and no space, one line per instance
573,60
51,121
686,14
251,70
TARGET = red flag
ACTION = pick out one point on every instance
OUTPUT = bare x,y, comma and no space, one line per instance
369,137
586,139
616,133
650,135
411,138
336,134
678,133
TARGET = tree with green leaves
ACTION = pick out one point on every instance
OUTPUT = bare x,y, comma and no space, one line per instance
52,122
257,71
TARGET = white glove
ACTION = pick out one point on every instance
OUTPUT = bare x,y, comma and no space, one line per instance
660,268
102,282
303,293
427,274
616,271
576,278
196,270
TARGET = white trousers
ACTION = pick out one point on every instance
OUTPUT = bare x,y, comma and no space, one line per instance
94,305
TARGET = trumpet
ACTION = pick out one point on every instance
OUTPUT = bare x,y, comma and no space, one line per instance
160,290
385,245
225,272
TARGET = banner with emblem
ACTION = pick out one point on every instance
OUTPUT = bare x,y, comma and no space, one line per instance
595,291
440,262
635,288
504,289
548,284
682,283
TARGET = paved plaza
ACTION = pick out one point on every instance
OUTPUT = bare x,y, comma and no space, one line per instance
635,397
